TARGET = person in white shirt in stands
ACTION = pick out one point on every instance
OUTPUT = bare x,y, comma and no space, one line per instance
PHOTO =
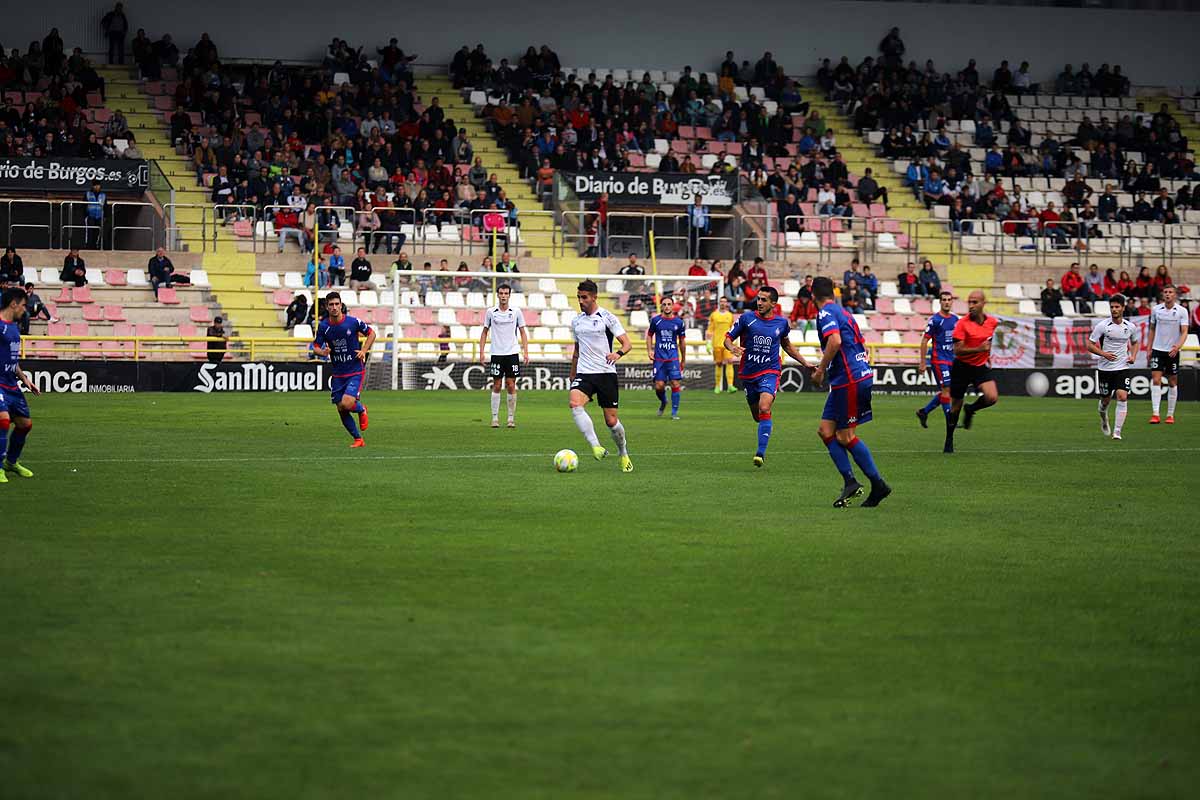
1114,342
1168,332
504,323
594,371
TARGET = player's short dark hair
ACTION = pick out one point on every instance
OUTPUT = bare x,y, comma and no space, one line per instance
772,291
1117,298
1170,286
946,293
333,296
503,286
822,287
12,295
588,286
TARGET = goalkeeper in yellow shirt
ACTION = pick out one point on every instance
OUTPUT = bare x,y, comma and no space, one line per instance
719,324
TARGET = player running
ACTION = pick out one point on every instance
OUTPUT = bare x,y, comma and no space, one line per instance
844,363
1114,342
1168,332
719,323
665,348
762,334
594,371
504,324
940,331
14,409
337,338
972,349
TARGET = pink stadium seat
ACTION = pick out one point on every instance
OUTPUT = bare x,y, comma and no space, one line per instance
679,146
93,313
878,210
114,277
703,134
884,305
911,337
82,294
80,329
811,196
42,348
834,225
884,225
383,316
187,330
102,115
687,132
466,316
881,322
143,329
168,296
359,313
861,210
872,336
922,306
163,103
423,316
959,307
58,329
531,317
902,241
282,297
64,295
199,350
122,330
733,148
808,209
114,314
829,240
899,322
199,314
243,229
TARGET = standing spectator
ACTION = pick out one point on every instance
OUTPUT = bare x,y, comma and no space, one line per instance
74,271
115,26
12,268
360,272
94,215
931,284
907,281
216,349
1051,300
162,271
337,267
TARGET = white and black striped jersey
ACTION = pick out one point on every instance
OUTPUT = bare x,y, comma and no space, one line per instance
1118,338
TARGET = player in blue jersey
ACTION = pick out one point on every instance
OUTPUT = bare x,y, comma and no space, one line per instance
14,410
940,331
337,338
664,347
845,367
762,335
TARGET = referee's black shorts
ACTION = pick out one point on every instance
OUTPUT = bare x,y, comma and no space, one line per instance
603,387
963,376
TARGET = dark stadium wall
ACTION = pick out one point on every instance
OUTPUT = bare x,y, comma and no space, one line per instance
1154,48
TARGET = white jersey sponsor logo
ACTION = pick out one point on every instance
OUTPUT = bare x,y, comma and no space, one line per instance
1117,338
594,335
503,326
1168,326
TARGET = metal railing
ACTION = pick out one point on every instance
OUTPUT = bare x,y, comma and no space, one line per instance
116,208
221,218
174,230
48,227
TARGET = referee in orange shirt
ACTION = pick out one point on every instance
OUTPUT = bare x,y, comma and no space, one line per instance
972,350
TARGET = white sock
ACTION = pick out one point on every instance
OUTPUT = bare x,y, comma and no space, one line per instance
618,434
584,423
1104,409
512,407
1172,396
1122,410
495,405
1155,397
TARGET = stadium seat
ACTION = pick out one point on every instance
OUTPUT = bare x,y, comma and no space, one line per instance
349,297
49,277
114,277
639,319
902,305
136,277
455,300
269,280
537,301
1027,307
64,295
550,317
93,313
547,285
302,331
143,329
199,314
282,297
433,299
445,316
559,301
81,294
476,300
199,278
368,298
114,314
168,296
94,276
293,280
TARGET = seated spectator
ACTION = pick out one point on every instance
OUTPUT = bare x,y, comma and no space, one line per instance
854,299
287,225
1051,300
1049,221
870,284
161,270
931,284
337,267
1072,283
869,190
360,272
805,308
1093,281
907,282
74,270
697,269
315,269
933,190
297,311
790,214
12,268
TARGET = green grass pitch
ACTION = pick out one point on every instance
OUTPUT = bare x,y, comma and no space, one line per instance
212,596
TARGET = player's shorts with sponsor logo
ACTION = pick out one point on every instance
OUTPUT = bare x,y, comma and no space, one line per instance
341,385
850,404
1163,361
963,376
601,386
766,383
941,371
13,401
1112,380
667,370
508,366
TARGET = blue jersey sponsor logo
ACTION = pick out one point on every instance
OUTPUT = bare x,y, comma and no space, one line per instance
668,337
940,329
342,340
762,338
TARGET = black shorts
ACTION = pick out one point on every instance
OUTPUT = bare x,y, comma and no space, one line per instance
1162,361
963,376
506,366
603,387
1113,380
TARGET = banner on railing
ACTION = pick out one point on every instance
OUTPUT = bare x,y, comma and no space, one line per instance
78,377
1027,342
654,188
71,175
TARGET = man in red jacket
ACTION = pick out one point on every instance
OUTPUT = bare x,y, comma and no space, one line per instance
1072,283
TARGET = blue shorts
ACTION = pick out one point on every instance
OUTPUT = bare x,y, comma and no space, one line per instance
348,385
667,370
767,383
941,372
849,405
13,401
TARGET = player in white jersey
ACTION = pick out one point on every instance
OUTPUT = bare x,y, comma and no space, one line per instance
594,370
1114,343
1168,332
505,324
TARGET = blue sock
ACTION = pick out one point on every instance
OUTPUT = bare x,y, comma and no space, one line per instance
3,439
358,407
674,403
946,407
841,459
933,403
16,444
662,398
350,424
764,435
862,456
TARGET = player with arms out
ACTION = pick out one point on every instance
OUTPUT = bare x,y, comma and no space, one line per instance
504,324
719,323
665,348
1168,332
337,338
14,410
972,350
762,335
1114,342
594,371
940,331
845,367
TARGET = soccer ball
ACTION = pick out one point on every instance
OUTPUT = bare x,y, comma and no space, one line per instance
566,461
